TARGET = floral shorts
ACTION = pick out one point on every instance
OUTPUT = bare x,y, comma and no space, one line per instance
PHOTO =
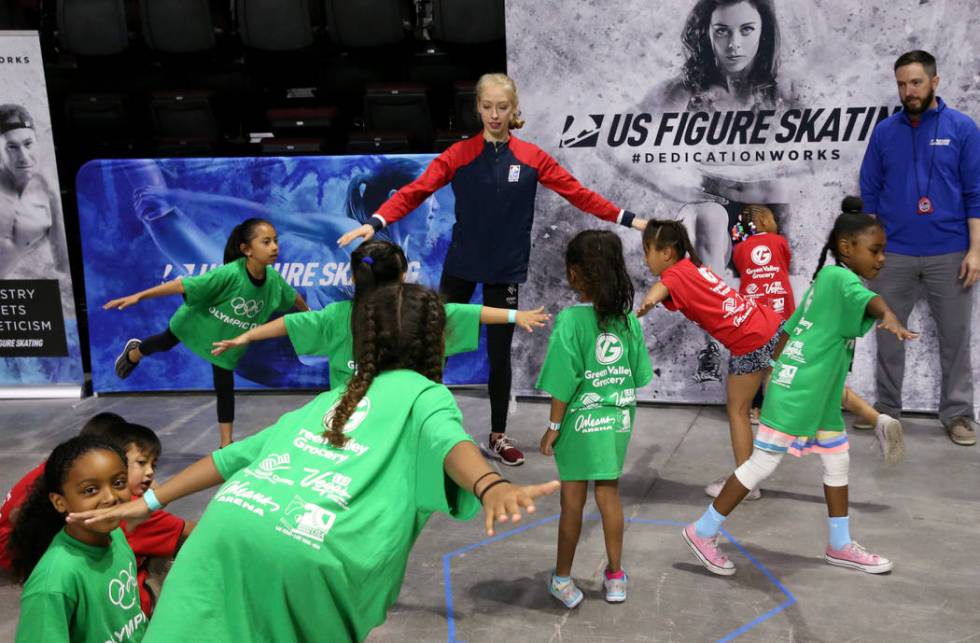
757,360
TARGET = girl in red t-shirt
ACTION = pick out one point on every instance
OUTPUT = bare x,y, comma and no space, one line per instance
749,331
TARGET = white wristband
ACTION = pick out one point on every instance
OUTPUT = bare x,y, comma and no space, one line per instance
150,498
554,426
511,316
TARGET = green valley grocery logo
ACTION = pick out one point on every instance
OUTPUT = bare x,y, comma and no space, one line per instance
356,418
608,348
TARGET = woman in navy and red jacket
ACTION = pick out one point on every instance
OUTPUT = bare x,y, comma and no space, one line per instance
494,176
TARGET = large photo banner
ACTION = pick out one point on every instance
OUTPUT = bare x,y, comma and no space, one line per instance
147,221
39,348
691,110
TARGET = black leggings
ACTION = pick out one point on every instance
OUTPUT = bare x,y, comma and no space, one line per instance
499,336
224,380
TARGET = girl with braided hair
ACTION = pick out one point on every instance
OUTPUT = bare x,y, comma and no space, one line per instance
242,293
802,410
748,331
326,504
328,332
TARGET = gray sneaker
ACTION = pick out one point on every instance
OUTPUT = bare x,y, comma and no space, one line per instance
123,366
960,431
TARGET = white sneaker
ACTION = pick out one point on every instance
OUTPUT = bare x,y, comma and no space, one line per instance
715,487
890,442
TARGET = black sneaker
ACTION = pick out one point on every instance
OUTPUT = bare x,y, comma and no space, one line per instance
123,366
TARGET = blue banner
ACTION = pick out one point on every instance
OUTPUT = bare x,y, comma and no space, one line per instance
144,222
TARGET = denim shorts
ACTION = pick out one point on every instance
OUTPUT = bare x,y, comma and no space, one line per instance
757,360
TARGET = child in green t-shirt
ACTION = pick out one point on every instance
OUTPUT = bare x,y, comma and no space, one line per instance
242,293
327,332
325,505
79,580
595,362
802,410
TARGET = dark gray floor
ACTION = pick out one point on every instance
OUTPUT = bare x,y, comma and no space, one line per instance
924,514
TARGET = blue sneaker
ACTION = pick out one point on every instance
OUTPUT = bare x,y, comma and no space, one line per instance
567,593
615,587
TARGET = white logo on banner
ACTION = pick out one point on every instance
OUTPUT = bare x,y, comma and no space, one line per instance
608,348
247,308
761,255
122,589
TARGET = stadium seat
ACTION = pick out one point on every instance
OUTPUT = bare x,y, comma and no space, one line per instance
399,107
177,26
465,117
92,27
275,25
378,143
445,138
291,146
467,21
184,116
367,23
98,122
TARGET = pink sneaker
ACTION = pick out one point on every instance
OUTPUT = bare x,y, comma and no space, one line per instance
857,557
706,549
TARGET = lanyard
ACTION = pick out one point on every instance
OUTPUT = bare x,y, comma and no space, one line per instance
932,159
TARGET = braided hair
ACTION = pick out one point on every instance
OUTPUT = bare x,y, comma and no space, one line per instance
38,521
848,224
244,232
401,326
597,258
662,234
373,264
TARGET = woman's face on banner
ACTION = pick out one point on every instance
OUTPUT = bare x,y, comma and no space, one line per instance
735,30
17,152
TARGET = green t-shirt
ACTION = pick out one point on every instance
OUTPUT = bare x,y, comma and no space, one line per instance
82,593
807,383
597,372
222,304
327,333
309,542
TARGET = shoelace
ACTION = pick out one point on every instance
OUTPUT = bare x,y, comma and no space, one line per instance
505,442
854,546
566,591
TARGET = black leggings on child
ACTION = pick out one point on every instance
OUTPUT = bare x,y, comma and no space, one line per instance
224,380
499,338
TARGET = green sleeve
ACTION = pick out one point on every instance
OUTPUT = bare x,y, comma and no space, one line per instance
563,366
854,319
310,331
238,455
45,616
639,356
462,328
288,299
207,287
440,429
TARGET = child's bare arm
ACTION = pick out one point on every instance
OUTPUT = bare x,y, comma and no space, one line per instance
558,409
172,287
658,292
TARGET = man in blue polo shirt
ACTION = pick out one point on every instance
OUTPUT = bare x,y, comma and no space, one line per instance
921,177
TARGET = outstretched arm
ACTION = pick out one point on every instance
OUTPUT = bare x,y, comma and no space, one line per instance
269,330
197,477
300,304
526,319
878,309
658,292
172,287
502,503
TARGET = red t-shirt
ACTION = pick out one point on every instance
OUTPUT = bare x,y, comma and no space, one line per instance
705,299
763,262
15,498
158,537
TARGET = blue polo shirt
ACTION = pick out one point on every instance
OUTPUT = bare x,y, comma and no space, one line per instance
891,184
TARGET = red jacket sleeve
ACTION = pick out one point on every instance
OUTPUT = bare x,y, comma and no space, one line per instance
440,172
556,178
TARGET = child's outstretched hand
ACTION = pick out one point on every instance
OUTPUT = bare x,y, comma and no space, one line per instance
531,319
133,512
890,323
122,302
221,346
547,441
503,502
647,304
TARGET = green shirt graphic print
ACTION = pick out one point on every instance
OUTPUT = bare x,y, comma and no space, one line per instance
224,303
596,371
309,542
807,383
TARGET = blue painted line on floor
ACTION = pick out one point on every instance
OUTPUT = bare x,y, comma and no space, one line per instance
447,571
